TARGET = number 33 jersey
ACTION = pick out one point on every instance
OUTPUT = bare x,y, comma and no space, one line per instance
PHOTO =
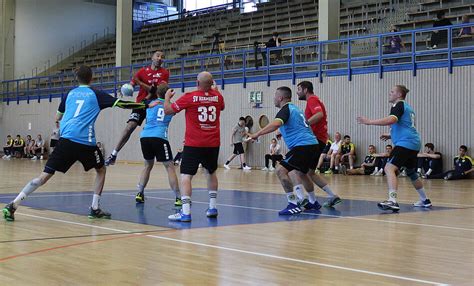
156,122
203,110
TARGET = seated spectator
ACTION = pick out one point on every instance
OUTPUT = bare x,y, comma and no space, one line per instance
381,160
346,153
54,138
275,41
463,165
330,155
8,148
38,148
394,44
466,31
324,157
366,168
18,146
28,145
441,36
429,162
274,155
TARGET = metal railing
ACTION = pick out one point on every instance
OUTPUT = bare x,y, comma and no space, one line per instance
310,59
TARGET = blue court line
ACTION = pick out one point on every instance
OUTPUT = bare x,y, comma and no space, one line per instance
235,207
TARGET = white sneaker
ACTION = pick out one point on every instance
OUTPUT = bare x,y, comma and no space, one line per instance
271,169
424,204
374,173
4,157
265,169
227,167
403,173
9,156
34,158
41,157
379,173
247,168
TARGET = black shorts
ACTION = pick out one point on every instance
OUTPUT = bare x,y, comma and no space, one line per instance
301,158
68,152
326,148
238,148
317,154
153,147
137,115
193,156
403,157
53,143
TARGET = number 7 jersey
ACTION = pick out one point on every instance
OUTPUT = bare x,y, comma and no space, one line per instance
203,110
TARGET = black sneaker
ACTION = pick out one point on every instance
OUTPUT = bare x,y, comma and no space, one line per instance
140,198
424,204
9,212
389,206
332,202
98,213
110,160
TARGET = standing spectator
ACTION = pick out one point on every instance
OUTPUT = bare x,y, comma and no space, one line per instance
38,148
366,168
466,31
440,37
463,165
8,148
394,44
275,41
239,133
429,162
28,146
333,151
54,138
346,153
274,155
381,160
18,146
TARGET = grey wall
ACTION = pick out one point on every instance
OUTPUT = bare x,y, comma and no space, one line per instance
443,104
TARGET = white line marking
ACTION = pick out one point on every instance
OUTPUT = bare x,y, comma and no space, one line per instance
251,252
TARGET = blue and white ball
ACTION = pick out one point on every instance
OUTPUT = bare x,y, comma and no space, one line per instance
127,90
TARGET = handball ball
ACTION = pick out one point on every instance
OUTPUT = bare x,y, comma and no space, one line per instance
127,89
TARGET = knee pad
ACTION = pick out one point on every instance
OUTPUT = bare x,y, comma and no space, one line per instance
412,174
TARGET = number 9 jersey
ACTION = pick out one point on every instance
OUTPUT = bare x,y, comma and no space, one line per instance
156,122
203,109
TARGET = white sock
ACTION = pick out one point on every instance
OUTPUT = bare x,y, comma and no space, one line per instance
114,153
291,198
376,169
429,172
140,188
28,189
422,194
418,170
186,208
212,199
95,201
392,195
298,189
328,191
312,197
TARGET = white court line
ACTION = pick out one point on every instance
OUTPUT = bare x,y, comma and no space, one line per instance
313,214
251,252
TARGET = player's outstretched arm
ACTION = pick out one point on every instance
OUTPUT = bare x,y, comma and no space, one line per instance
386,121
267,129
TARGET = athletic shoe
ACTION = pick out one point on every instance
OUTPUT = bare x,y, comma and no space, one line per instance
247,168
343,170
424,204
227,167
98,213
9,156
265,169
271,169
4,157
310,206
317,171
140,198
180,217
41,157
110,160
332,202
9,212
389,206
291,209
328,172
374,173
212,213
403,173
303,203
379,173
178,202
34,158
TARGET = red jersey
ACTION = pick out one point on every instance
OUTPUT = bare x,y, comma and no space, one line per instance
150,76
320,129
203,110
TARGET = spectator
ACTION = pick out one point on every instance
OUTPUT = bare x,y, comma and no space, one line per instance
239,133
394,44
324,156
440,37
18,146
366,168
274,155
331,154
38,148
462,167
28,146
275,41
54,138
466,31
8,148
381,160
346,153
429,162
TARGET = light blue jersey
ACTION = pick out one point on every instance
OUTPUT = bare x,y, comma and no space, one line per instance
156,122
403,132
295,130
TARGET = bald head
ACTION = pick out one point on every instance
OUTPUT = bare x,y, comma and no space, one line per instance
205,80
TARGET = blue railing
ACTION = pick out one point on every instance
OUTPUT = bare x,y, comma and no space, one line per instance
343,57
